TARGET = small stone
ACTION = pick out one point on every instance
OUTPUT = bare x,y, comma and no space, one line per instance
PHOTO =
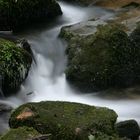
129,129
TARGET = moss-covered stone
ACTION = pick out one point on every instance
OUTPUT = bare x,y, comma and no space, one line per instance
102,60
21,133
14,65
16,13
67,121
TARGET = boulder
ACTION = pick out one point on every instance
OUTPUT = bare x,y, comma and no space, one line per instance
105,59
67,121
15,14
129,129
15,63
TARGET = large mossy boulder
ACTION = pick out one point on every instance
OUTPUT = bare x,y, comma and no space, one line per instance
14,65
67,121
106,59
21,133
15,14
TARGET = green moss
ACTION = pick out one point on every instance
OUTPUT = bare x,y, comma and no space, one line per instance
21,133
14,65
65,120
105,59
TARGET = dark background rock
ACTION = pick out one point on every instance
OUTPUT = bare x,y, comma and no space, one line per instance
14,15
129,129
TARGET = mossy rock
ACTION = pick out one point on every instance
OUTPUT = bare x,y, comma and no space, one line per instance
67,121
14,66
21,133
15,14
106,59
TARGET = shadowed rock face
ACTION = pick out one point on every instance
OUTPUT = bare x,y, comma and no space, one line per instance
15,14
15,61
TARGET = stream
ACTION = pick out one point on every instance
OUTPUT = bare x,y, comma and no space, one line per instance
46,79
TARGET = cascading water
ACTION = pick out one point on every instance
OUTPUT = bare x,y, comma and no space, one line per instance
46,79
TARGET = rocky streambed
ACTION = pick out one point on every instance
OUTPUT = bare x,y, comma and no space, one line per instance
102,49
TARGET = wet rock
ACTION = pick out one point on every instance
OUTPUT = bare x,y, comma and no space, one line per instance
81,29
129,129
64,121
14,15
23,43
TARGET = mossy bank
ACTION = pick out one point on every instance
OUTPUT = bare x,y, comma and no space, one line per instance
14,65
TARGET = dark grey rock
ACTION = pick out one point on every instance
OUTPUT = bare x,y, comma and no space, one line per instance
129,129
